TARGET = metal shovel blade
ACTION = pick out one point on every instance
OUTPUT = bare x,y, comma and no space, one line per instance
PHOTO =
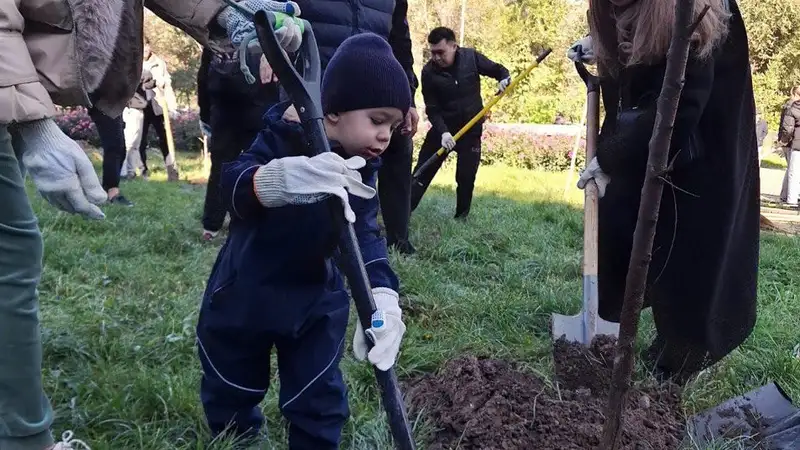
764,416
584,326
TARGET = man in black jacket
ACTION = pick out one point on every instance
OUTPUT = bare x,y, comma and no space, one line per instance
334,21
452,92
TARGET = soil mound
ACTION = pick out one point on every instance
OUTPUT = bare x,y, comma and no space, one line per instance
491,404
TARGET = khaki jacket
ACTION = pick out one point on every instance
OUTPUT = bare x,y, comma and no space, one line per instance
64,56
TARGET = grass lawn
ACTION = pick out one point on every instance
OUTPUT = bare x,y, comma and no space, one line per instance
119,301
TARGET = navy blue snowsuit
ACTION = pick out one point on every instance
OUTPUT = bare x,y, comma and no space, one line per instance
274,284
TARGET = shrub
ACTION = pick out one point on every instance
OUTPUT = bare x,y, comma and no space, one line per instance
524,148
76,123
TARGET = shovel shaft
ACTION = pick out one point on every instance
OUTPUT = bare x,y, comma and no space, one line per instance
591,296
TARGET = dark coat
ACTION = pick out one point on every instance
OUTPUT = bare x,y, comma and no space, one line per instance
790,126
703,275
288,252
230,101
334,21
453,95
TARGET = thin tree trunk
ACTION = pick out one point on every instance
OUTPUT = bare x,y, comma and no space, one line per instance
645,231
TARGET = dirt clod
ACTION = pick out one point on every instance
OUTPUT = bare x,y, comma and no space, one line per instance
491,404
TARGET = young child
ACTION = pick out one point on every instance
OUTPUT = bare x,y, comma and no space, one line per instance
275,284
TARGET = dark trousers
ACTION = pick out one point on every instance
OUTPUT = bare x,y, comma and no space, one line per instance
112,139
468,151
394,188
151,118
235,337
226,143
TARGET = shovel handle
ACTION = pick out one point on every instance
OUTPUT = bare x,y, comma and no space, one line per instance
304,92
591,294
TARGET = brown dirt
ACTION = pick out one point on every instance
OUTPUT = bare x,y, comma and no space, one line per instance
490,404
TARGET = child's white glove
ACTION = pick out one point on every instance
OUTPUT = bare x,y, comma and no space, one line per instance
59,168
300,180
582,51
386,332
447,141
593,171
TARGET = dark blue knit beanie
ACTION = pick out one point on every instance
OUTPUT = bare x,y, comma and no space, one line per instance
363,73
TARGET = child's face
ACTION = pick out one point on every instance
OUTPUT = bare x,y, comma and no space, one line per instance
365,132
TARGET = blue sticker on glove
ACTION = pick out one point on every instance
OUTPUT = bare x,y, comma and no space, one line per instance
378,318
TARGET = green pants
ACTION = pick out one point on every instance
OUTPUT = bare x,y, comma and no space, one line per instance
25,411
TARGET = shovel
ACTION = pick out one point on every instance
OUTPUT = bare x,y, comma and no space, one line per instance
762,418
584,326
304,92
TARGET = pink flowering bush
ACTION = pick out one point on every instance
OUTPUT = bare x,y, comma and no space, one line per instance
76,123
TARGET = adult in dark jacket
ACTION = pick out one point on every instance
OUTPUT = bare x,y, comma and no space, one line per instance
703,274
789,138
333,22
232,109
451,87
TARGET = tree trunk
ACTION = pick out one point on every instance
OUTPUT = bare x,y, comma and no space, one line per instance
645,231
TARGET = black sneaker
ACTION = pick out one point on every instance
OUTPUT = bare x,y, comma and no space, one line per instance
120,200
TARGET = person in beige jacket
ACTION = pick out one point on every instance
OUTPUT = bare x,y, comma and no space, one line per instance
72,52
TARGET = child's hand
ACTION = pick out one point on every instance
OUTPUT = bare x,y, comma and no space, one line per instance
386,332
300,180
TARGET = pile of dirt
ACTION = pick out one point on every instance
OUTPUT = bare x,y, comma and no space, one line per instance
490,404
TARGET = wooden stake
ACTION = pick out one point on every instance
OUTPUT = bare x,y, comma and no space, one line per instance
645,231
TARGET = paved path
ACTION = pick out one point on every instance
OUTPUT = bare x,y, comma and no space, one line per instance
771,180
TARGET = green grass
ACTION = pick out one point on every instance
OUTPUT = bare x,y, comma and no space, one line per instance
119,301
773,160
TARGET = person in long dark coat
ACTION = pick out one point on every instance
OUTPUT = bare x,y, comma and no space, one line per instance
703,275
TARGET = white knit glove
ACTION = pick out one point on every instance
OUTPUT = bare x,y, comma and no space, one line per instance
386,332
593,171
59,168
503,84
300,180
447,141
582,51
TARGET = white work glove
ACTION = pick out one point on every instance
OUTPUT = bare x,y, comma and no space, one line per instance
59,168
582,51
503,84
238,25
386,332
593,171
300,180
447,141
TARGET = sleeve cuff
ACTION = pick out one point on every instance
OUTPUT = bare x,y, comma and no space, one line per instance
267,184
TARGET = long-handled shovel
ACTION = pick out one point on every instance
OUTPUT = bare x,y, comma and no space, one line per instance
443,152
584,326
304,92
